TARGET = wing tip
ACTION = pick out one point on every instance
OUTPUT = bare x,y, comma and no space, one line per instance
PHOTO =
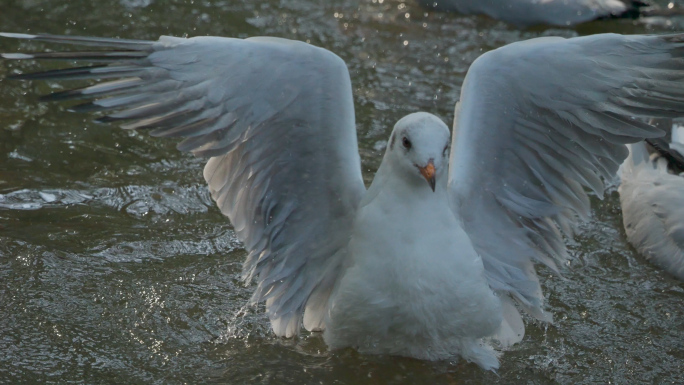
12,35
16,56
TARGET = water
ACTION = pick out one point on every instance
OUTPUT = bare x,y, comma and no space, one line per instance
115,266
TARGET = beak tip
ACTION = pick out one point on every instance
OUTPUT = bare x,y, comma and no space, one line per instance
428,173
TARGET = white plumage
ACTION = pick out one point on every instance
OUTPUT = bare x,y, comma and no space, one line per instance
652,201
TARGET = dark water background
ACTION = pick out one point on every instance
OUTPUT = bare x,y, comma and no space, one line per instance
116,267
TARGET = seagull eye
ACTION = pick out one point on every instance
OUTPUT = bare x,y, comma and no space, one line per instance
445,150
406,143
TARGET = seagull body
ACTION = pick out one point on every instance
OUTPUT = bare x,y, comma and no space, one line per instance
397,295
531,12
652,201
437,256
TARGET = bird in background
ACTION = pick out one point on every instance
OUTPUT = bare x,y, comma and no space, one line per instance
435,260
652,198
524,13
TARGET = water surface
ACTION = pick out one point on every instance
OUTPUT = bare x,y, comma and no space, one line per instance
116,267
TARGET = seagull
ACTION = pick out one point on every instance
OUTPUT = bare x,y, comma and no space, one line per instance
436,259
652,200
533,12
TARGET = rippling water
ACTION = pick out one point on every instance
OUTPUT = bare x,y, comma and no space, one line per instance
115,266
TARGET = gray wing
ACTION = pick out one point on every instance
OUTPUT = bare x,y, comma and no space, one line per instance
541,120
277,119
652,201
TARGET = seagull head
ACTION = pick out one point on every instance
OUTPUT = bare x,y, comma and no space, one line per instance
419,149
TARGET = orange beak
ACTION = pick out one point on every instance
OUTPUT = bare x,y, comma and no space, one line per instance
428,172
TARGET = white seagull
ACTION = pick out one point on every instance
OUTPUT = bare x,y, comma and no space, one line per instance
532,12
433,260
652,201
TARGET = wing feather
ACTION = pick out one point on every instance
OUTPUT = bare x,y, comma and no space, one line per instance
276,118
538,122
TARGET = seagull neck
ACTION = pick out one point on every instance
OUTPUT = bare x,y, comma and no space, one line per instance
406,189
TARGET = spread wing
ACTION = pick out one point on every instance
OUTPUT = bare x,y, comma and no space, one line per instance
276,118
539,122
